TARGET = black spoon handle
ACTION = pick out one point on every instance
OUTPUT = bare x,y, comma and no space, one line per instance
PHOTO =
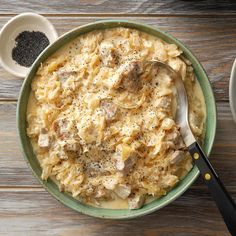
222,198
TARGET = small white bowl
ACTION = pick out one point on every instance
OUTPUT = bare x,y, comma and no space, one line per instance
18,24
232,91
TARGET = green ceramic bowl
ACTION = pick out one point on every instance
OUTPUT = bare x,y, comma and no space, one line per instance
65,198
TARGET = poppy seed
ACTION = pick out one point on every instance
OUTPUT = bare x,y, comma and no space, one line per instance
28,46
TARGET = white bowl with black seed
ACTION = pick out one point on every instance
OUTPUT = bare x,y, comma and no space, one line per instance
22,39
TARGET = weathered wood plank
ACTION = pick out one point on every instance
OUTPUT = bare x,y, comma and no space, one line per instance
15,173
120,7
213,41
36,213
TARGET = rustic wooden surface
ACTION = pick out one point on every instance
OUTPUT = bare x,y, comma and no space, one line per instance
209,29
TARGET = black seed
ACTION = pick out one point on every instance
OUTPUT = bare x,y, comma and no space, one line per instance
28,46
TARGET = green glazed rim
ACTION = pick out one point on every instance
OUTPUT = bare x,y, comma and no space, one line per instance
66,198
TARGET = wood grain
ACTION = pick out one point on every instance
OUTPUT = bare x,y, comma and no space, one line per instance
189,7
14,171
37,213
212,40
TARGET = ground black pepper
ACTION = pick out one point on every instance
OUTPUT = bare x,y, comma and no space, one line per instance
28,46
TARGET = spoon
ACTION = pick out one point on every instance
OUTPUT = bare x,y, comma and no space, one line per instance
222,198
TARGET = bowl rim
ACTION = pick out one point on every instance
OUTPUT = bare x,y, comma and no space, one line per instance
232,86
13,20
84,208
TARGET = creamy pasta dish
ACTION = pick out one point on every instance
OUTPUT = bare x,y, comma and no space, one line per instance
102,122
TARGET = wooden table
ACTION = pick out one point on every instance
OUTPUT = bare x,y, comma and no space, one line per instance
209,29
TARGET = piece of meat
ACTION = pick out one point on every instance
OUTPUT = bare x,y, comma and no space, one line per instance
109,109
131,77
65,133
175,137
108,54
136,202
123,190
180,143
177,157
61,128
129,163
43,140
72,145
163,102
68,79
126,158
